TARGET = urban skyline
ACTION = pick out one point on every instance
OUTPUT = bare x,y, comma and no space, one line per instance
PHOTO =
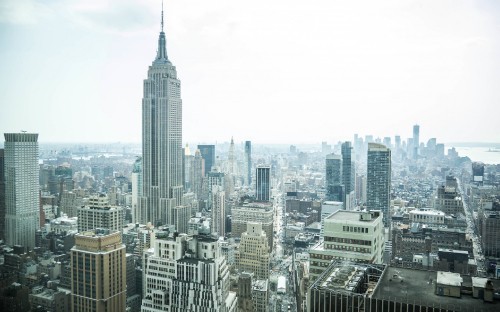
168,225
441,58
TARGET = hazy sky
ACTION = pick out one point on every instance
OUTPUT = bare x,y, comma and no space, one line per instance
266,71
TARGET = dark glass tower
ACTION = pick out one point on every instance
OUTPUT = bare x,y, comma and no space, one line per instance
208,154
378,183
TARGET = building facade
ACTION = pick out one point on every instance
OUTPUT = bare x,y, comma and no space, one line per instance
263,183
333,178
253,212
98,272
208,154
218,211
348,176
100,214
186,273
22,199
253,253
378,184
248,162
161,139
349,236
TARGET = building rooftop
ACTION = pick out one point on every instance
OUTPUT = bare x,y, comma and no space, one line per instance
418,287
353,216
449,278
427,212
259,285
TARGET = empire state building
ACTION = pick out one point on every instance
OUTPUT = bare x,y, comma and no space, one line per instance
161,139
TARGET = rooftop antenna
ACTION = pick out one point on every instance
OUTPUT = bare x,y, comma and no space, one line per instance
161,15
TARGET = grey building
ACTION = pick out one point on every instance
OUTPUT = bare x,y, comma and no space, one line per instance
161,139
22,200
248,161
348,175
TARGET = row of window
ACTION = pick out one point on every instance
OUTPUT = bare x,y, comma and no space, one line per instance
354,229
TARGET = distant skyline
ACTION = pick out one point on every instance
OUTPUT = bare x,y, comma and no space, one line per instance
266,71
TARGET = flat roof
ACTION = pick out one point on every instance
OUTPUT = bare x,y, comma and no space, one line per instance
449,278
418,287
479,282
352,216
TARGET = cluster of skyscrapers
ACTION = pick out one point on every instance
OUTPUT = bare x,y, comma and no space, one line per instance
213,234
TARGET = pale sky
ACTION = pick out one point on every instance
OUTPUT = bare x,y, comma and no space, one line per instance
267,71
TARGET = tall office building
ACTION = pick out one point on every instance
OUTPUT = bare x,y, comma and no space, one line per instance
196,179
2,194
253,254
333,176
208,154
248,162
136,178
416,141
98,272
378,184
100,214
231,162
214,178
186,273
180,218
245,302
254,212
348,176
263,183
161,139
22,199
218,211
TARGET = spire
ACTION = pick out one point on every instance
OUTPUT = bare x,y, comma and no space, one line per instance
161,54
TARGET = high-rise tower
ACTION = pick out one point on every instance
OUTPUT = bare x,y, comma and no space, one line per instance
208,154
348,176
2,195
161,139
263,183
248,162
22,199
416,141
378,185
98,272
334,187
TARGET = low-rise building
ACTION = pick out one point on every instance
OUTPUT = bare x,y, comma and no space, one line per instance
349,236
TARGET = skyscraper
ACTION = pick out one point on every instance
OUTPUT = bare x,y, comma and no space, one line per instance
333,176
208,154
137,189
348,176
248,161
218,206
22,200
2,194
214,178
253,253
263,183
98,272
378,185
161,139
196,180
186,273
416,141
